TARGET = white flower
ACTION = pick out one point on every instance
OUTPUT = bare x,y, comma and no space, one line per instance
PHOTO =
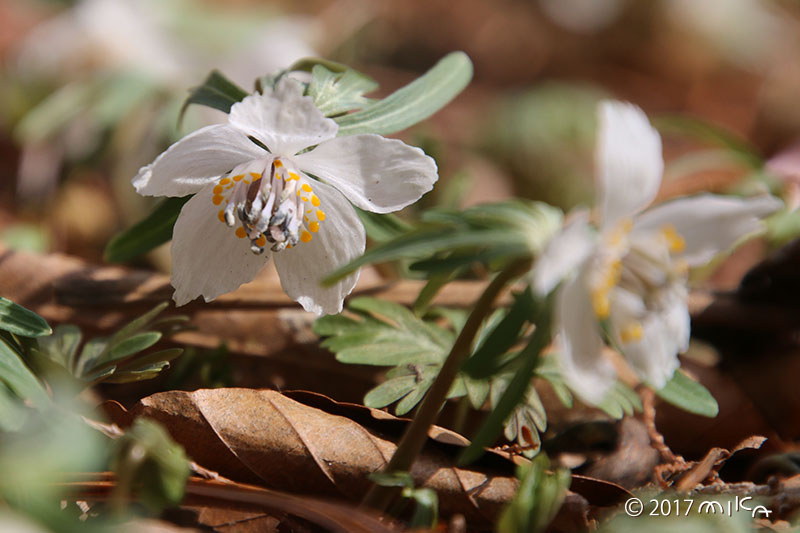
632,270
308,224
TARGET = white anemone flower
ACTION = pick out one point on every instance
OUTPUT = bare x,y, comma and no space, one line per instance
253,200
630,270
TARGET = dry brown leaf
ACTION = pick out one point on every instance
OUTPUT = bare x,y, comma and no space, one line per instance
264,437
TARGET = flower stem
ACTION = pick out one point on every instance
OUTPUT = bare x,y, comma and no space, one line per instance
379,497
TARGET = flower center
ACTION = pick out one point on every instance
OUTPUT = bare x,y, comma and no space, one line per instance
272,203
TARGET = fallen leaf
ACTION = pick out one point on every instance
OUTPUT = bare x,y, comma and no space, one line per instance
264,437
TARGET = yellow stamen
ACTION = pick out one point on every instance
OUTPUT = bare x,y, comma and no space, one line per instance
293,176
217,199
306,187
241,233
314,200
278,163
256,176
238,177
676,243
305,236
224,181
631,332
314,227
221,215
601,304
261,241
320,214
218,189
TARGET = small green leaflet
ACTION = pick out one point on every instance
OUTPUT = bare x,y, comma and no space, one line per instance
413,103
335,93
147,234
116,359
216,91
686,393
20,321
18,377
540,495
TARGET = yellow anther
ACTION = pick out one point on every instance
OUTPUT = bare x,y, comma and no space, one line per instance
304,198
218,189
224,181
305,236
221,215
241,233
299,192
217,199
261,241
320,214
674,240
314,227
314,200
601,304
256,176
631,332
238,177
278,163
293,176
306,187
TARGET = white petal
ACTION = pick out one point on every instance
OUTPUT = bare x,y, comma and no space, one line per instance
196,160
563,254
208,259
628,161
283,119
375,173
585,369
664,332
708,223
654,357
339,240
677,320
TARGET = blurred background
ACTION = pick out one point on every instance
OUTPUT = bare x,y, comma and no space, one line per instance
91,91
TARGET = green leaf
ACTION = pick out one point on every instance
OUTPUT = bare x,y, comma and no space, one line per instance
390,391
389,334
538,498
621,400
137,324
426,508
20,321
133,344
151,232
62,346
148,462
335,93
484,362
216,91
686,393
515,392
413,103
381,227
423,243
19,378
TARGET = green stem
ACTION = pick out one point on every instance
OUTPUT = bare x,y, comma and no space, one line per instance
416,434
